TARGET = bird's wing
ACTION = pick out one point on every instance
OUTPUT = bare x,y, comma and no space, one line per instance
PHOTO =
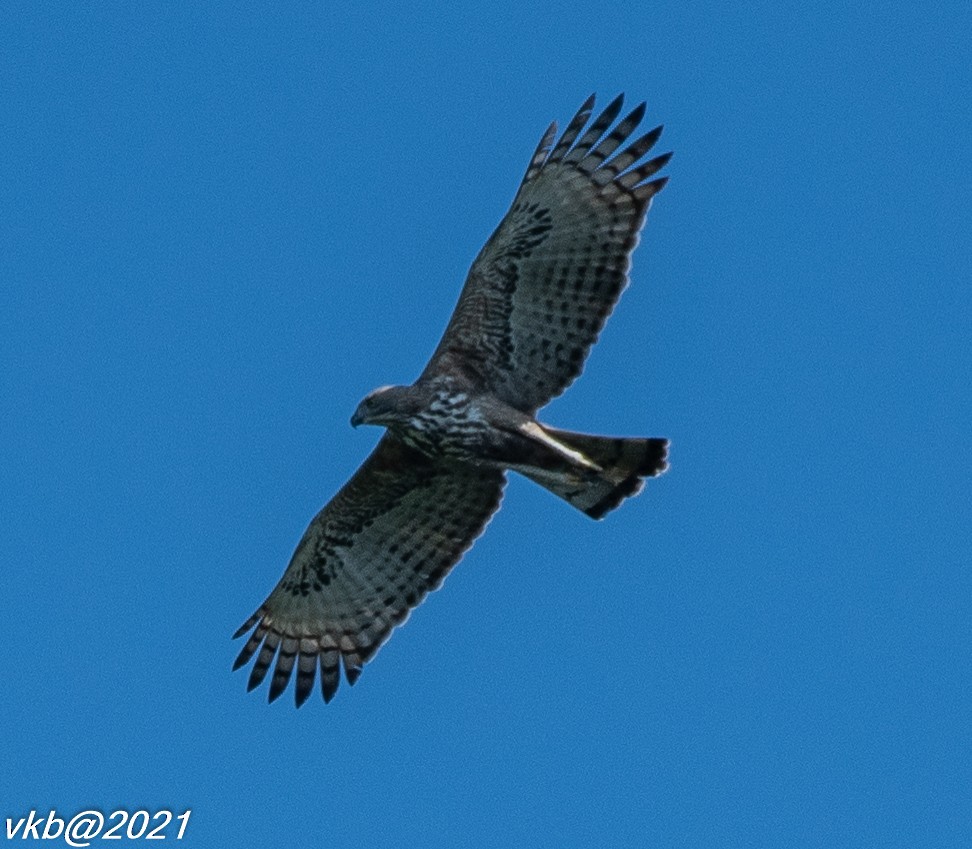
542,287
372,554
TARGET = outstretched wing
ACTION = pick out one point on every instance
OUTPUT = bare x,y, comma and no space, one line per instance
542,287
387,539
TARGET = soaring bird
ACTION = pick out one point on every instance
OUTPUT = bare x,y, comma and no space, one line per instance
533,304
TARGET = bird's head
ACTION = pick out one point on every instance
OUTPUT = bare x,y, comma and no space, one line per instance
386,406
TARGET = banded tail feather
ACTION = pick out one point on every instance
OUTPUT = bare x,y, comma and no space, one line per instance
622,465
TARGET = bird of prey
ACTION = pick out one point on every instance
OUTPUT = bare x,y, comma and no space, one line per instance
533,304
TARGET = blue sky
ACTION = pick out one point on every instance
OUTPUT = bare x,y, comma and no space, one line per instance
222,224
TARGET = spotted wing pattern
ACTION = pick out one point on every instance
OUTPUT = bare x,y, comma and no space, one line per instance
387,539
542,287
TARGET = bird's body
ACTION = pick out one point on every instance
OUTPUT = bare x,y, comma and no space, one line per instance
534,303
445,418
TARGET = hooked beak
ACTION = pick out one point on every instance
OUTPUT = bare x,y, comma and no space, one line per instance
357,418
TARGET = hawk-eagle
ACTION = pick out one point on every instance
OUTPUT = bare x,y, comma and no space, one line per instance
533,304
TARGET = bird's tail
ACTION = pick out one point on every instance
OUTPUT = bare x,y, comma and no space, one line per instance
616,469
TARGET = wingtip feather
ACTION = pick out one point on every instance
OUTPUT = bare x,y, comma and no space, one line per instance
637,115
248,625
